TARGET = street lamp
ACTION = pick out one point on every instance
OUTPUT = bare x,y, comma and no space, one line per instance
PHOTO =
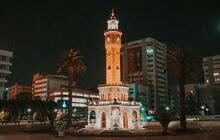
203,108
29,113
207,111
167,108
29,110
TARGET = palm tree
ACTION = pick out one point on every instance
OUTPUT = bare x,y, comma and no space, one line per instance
24,100
165,116
51,105
72,64
39,110
180,62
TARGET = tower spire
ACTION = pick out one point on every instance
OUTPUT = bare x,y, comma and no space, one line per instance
113,14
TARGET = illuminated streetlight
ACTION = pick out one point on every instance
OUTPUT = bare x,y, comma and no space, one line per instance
167,108
207,111
29,110
202,107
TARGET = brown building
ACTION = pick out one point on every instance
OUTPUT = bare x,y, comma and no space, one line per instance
16,89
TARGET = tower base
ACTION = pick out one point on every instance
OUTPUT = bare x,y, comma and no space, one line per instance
114,115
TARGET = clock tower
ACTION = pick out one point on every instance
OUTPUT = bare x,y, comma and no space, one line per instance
113,111
113,47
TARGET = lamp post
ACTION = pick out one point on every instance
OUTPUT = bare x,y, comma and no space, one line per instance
75,118
207,111
203,107
29,113
167,108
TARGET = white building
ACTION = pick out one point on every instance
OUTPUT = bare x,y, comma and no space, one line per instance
43,85
211,68
5,64
80,97
113,110
80,100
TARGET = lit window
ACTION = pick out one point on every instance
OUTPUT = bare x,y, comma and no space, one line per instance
150,51
65,98
217,79
216,74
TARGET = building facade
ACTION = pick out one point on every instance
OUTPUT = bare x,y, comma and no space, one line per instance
17,88
80,100
5,64
200,99
113,110
139,93
211,68
43,85
145,63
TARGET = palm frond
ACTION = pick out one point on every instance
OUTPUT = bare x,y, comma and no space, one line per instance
72,63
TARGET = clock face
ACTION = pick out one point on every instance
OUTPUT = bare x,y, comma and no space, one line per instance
112,24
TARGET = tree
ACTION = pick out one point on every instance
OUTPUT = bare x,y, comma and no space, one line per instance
51,105
72,64
24,100
39,110
164,118
180,62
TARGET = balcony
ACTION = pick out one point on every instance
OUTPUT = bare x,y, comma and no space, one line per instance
5,71
3,80
3,62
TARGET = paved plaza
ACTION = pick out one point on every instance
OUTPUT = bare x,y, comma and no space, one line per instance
211,131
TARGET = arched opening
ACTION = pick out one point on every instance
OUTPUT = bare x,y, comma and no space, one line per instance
92,116
115,118
103,120
125,120
134,117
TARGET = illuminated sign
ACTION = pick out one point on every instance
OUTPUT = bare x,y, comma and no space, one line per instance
62,104
79,100
79,105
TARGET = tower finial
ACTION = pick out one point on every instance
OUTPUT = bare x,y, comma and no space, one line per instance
113,14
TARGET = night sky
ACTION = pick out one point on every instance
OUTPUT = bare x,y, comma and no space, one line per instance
39,31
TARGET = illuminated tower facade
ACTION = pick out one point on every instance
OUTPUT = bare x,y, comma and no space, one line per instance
113,110
113,47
